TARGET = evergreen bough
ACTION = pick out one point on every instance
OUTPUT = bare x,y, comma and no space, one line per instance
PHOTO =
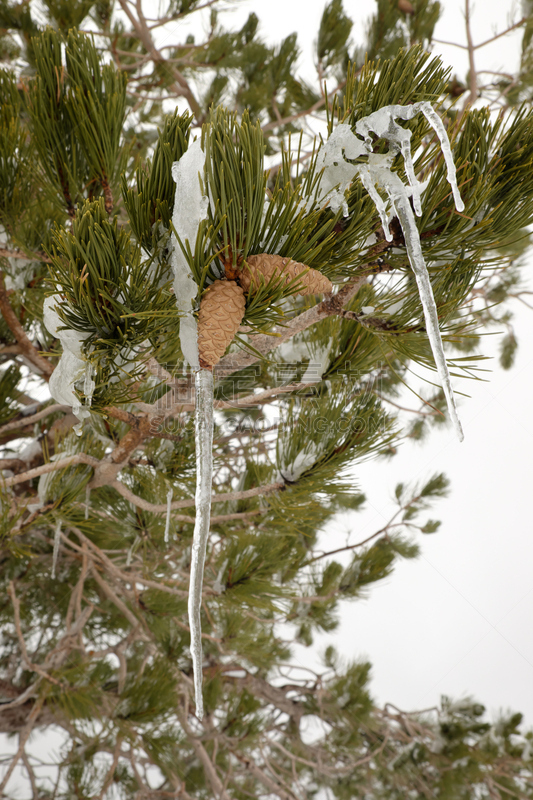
101,650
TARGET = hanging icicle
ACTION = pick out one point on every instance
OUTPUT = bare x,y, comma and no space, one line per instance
87,501
57,542
167,523
338,174
204,472
190,209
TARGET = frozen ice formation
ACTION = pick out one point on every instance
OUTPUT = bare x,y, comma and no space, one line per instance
72,365
377,173
204,473
190,209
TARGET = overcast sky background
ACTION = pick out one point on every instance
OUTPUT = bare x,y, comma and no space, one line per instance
456,621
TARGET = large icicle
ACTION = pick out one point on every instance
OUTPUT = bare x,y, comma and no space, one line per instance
399,198
343,144
190,209
204,471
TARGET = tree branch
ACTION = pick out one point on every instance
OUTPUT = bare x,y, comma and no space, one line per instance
53,466
23,738
22,421
14,325
181,86
224,497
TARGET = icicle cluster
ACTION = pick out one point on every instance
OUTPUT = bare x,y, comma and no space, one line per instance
72,365
338,174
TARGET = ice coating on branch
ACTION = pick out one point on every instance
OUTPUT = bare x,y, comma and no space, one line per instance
72,365
190,208
383,124
377,172
57,542
167,522
338,173
204,472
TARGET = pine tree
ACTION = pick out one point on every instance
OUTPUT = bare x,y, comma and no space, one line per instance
160,286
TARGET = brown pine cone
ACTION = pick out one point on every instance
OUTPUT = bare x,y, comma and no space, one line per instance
221,311
269,266
405,6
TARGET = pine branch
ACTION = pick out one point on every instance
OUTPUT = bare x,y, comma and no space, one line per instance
39,256
53,466
23,421
24,735
29,664
19,333
214,781
216,498
181,86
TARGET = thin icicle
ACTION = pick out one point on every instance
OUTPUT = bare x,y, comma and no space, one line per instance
87,501
381,205
167,524
57,542
400,201
204,471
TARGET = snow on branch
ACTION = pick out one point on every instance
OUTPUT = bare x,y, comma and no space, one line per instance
338,173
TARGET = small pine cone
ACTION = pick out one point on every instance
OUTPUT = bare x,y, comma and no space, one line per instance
221,311
405,6
312,281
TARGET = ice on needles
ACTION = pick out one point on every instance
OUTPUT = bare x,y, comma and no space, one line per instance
377,173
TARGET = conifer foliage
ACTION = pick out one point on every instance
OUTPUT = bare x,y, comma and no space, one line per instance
298,285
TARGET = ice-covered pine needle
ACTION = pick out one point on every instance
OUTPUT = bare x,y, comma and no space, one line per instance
338,174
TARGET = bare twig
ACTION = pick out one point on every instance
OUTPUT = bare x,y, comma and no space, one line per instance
30,665
472,77
224,497
23,422
181,86
216,784
53,466
38,256
23,738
